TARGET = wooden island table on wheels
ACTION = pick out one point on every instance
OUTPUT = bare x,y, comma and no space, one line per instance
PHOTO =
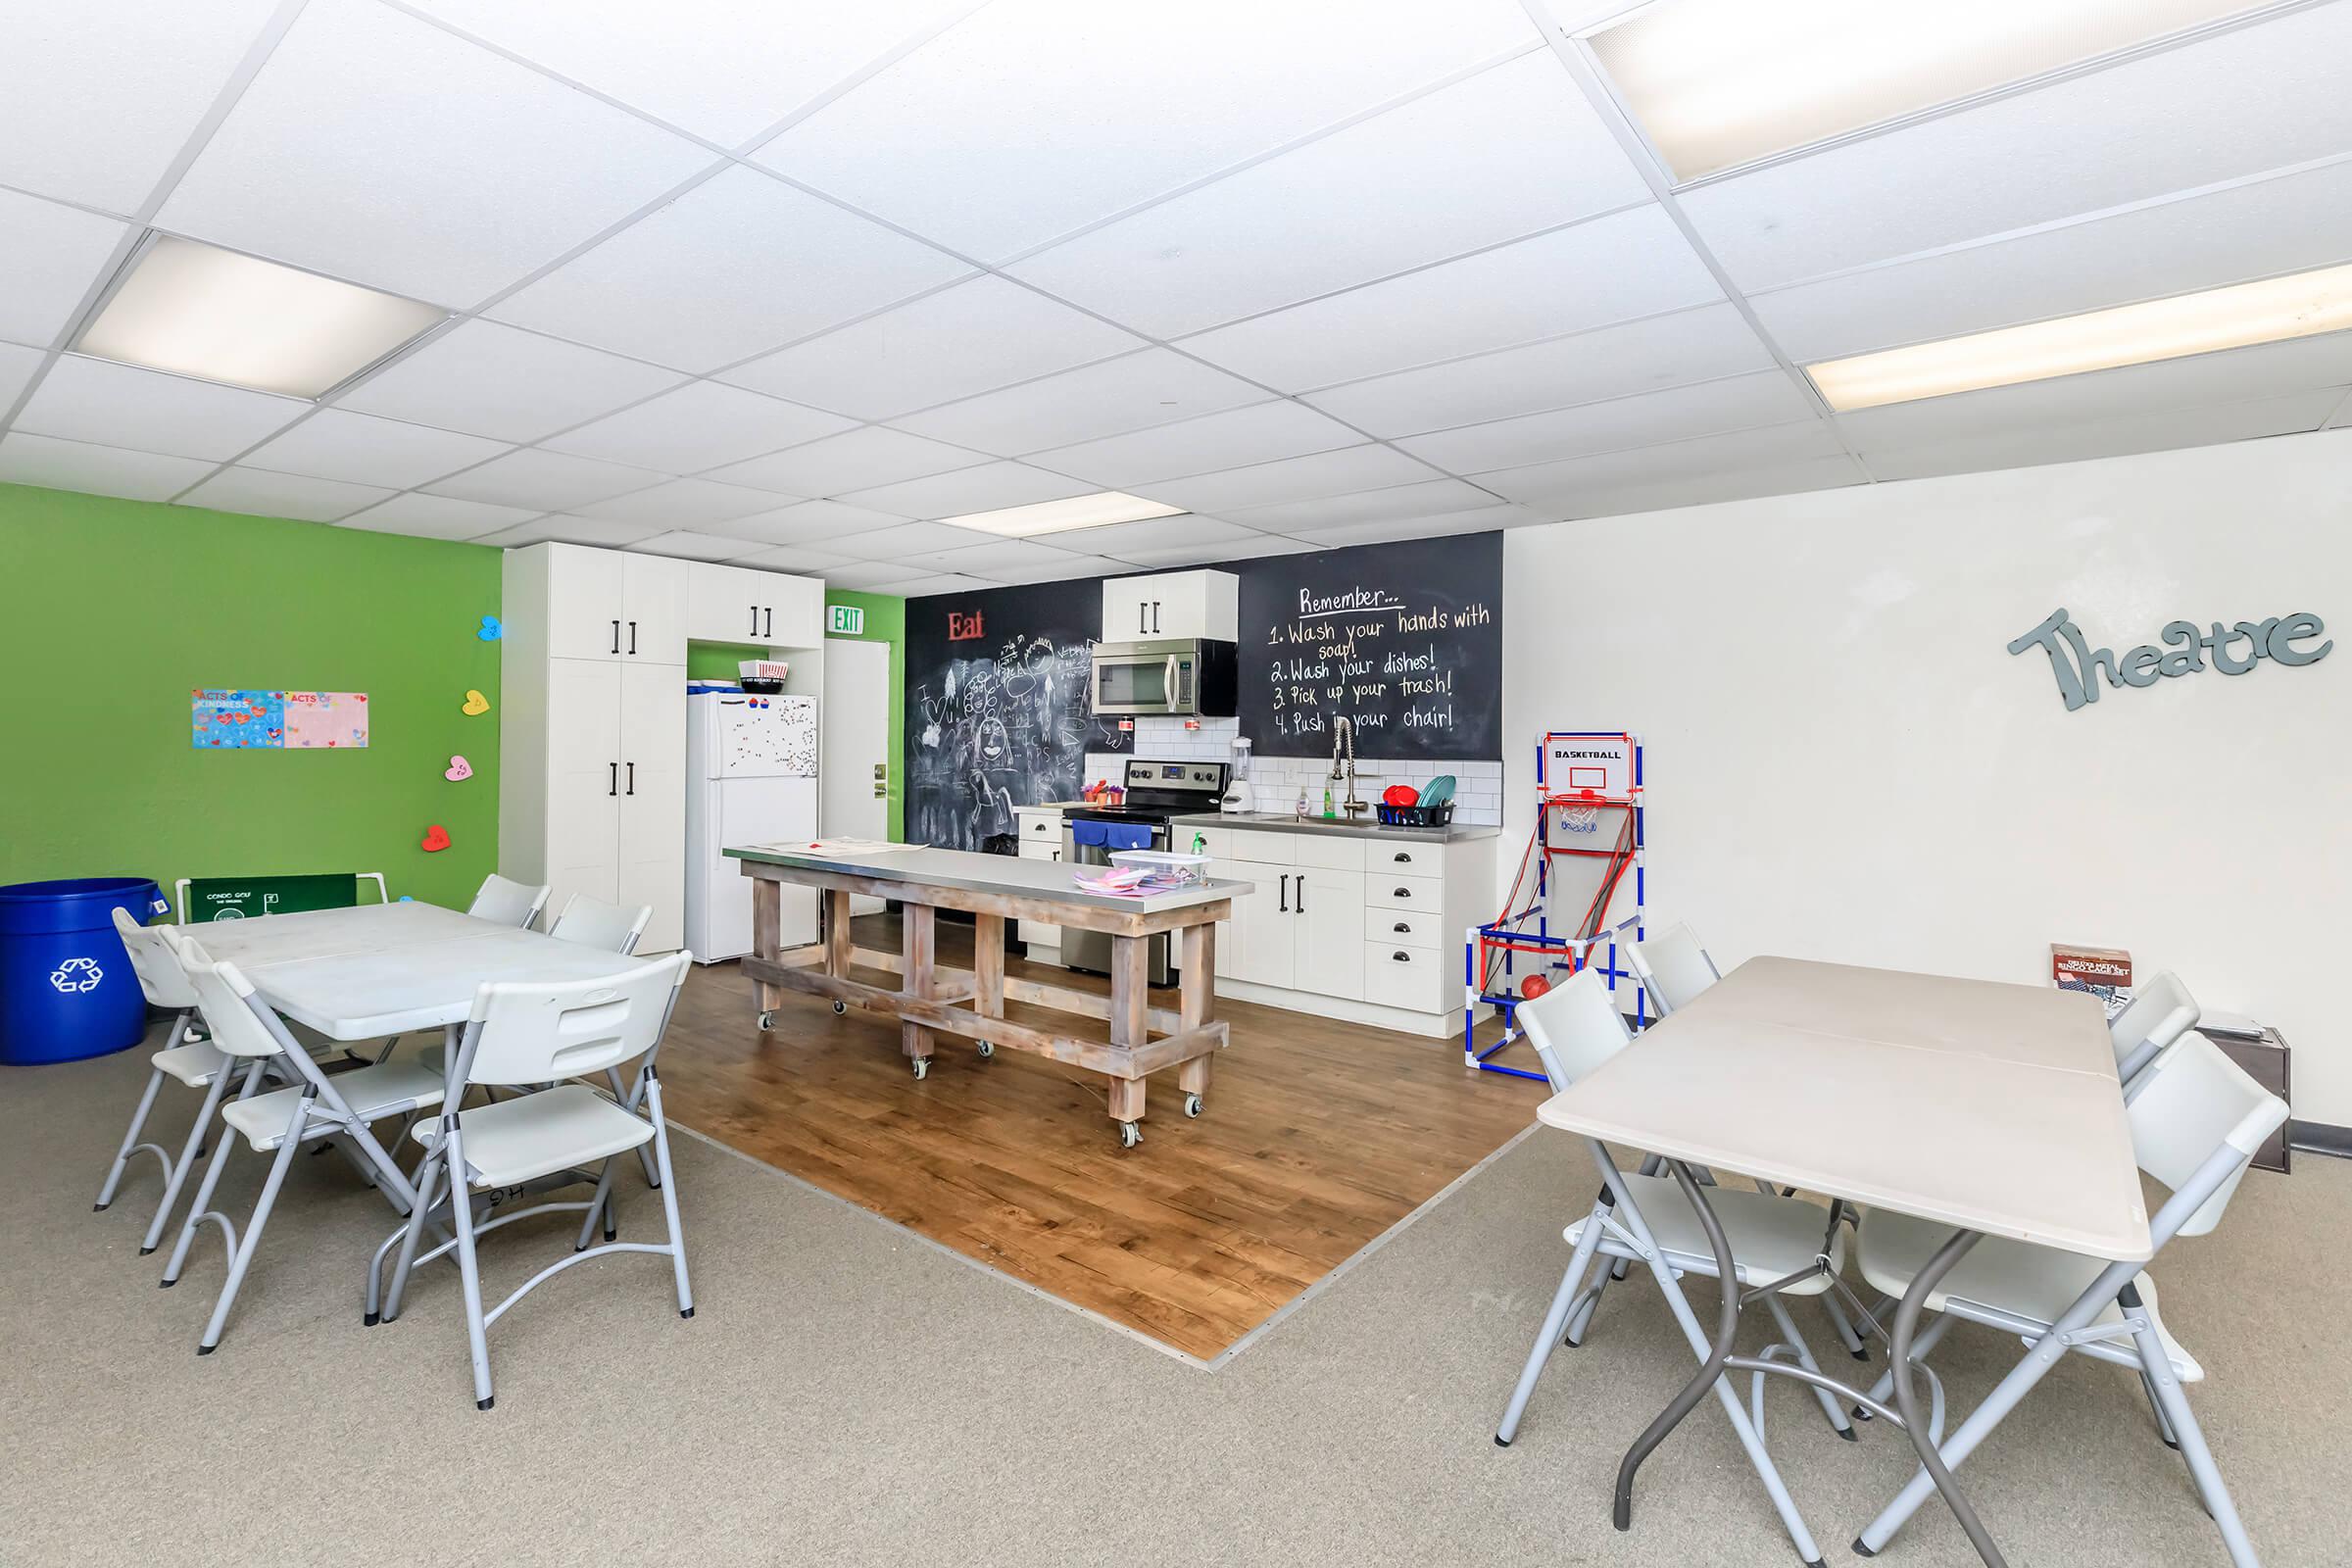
994,889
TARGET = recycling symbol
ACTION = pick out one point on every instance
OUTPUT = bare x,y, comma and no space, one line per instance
77,974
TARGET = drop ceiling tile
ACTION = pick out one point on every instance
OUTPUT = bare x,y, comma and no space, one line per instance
1258,433
810,522
725,70
510,385
1326,474
735,267
1255,547
95,469
793,558
570,531
941,583
1427,499
18,367
1707,407
1118,539
547,482
101,98
698,426
697,501
362,449
1546,485
1129,393
437,517
1070,569
688,545
2026,446
2232,104
1375,533
1116,105
1613,268
873,576
856,459
992,559
1663,492
53,257
2290,224
2235,376
282,495
99,400
974,337
1609,362
1504,154
909,542
378,148
989,487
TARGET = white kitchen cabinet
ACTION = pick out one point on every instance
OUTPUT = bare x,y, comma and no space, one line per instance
1328,946
1258,943
579,850
652,849
604,604
739,605
1040,840
1172,603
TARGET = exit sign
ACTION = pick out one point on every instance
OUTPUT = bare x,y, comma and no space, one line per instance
848,620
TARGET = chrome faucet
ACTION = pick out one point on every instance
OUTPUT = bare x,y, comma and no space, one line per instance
1343,735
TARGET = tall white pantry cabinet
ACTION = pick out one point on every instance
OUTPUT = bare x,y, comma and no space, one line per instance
592,773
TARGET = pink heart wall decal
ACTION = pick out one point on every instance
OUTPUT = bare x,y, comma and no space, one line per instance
458,770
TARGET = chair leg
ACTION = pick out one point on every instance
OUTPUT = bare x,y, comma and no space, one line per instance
1830,1405
1927,1338
131,1143
2173,1404
598,1203
669,1193
1549,1336
1847,1335
461,1209
252,1239
211,1179
427,1176
629,1102
2164,1426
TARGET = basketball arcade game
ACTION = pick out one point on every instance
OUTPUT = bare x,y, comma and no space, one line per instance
1588,845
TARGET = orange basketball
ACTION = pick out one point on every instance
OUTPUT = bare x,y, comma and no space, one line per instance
1533,986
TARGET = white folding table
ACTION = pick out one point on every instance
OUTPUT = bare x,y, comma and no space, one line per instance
1991,1108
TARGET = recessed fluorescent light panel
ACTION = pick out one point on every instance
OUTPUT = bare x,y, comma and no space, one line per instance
1717,83
197,310
1053,517
2303,305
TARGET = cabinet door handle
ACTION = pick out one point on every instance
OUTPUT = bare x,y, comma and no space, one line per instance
1144,631
754,620
634,650
1285,908
1155,616
617,636
769,631
632,778
614,786
1301,893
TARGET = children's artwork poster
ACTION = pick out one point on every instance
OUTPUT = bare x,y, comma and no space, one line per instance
229,718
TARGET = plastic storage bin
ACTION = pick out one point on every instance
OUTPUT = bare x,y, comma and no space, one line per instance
67,990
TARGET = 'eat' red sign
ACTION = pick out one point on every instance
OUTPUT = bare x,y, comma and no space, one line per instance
962,628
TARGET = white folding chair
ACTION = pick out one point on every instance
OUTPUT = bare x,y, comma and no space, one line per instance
1781,1247
521,1035
501,901
313,1106
2161,1012
1673,966
199,1066
2196,1121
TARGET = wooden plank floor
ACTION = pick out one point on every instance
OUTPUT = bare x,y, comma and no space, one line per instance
1317,1137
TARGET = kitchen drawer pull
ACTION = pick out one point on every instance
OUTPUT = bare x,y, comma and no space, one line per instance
1403,928
1401,956
1403,858
1405,892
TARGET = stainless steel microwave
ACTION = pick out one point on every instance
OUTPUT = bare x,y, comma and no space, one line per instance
1181,675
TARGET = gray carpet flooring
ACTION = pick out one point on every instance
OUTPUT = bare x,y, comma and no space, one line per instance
848,1394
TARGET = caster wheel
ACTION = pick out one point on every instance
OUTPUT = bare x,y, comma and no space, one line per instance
767,1021
839,1006
1130,1134
988,1048
1191,1105
922,1068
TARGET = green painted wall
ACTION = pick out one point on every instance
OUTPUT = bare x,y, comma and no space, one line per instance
115,610
885,621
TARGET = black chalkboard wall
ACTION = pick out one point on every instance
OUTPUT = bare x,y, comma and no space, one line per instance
997,707
1404,639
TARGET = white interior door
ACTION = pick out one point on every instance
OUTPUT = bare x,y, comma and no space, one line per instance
652,859
583,779
854,747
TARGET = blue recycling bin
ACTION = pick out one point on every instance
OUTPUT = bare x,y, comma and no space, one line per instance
67,989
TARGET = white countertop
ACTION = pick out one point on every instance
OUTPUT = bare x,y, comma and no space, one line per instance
1003,875
1986,1107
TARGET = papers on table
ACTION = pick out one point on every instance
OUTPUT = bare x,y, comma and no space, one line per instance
836,847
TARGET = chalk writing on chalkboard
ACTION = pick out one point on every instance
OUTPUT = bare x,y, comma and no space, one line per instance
1410,660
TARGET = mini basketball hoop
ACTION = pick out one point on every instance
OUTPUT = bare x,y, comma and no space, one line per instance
1582,821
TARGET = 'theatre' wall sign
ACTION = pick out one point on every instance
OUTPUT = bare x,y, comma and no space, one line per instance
2235,650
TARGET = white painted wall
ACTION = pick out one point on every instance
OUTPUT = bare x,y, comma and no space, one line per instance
1845,763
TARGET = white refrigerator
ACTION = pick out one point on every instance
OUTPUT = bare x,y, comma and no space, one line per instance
751,779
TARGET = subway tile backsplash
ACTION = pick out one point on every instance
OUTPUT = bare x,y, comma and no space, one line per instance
1274,781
